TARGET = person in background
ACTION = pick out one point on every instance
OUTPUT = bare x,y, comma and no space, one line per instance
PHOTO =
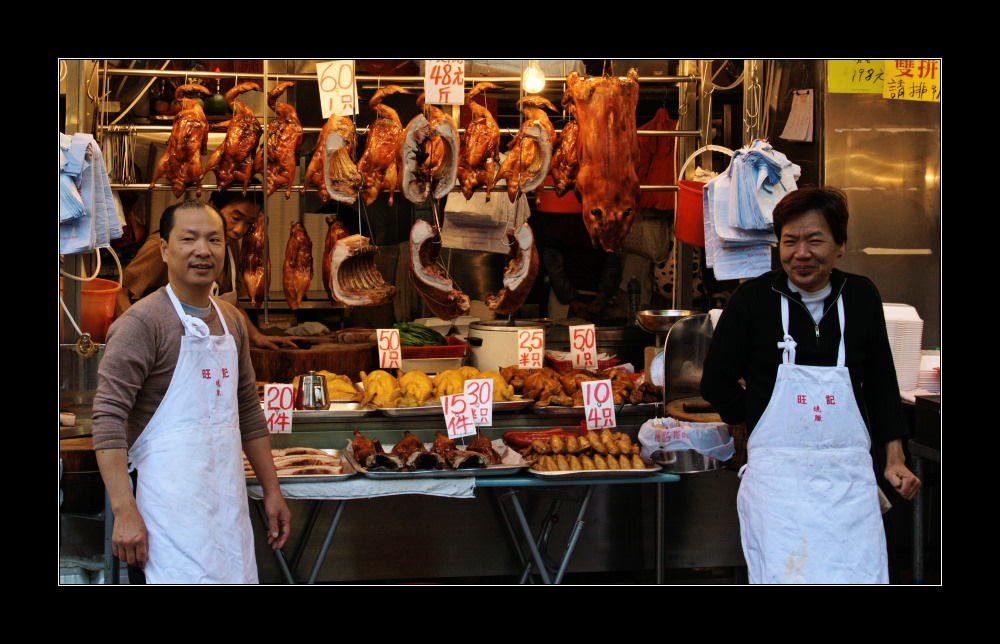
584,280
176,405
810,343
147,271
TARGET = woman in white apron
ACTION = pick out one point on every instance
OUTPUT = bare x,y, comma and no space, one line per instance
808,501
191,489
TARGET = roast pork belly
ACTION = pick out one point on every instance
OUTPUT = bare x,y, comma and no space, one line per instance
381,162
297,269
284,136
234,158
354,278
334,232
530,151
520,274
430,154
180,163
606,183
435,288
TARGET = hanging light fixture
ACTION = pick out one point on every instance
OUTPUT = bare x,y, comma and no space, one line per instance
532,79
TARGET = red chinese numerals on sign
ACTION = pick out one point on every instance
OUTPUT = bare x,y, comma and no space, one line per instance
279,400
598,404
444,81
583,349
336,86
458,416
530,348
802,399
479,395
389,351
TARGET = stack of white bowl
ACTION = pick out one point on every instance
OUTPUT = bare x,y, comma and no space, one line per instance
905,329
929,376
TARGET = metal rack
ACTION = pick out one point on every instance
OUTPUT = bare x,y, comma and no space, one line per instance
694,126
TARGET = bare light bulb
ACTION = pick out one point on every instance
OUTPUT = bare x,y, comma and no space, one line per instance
533,79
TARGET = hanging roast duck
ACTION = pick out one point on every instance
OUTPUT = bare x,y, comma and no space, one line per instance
234,158
180,163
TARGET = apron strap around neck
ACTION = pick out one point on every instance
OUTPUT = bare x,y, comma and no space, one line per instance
192,324
787,345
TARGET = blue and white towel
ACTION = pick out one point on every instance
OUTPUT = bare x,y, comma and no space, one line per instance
88,215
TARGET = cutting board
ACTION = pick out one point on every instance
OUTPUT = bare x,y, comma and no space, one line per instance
675,409
342,358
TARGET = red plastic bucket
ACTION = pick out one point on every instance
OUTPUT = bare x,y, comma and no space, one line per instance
689,222
97,307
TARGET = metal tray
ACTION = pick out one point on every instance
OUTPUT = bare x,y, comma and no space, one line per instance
628,409
337,409
492,470
349,471
596,475
438,410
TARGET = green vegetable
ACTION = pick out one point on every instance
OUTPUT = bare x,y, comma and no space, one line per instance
412,334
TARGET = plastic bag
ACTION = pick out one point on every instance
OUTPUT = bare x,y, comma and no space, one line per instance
671,435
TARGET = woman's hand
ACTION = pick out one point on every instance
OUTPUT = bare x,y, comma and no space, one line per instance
897,474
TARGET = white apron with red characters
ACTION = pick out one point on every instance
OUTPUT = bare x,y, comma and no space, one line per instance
808,500
191,490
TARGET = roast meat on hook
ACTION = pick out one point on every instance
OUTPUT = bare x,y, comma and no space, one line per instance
520,273
180,163
430,154
607,184
435,288
381,162
354,278
297,269
234,158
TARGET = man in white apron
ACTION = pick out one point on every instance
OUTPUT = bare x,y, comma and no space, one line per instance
808,501
188,521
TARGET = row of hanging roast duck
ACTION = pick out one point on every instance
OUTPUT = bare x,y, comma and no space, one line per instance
595,155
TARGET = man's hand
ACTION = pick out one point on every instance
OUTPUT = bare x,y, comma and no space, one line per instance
279,520
262,341
129,539
897,474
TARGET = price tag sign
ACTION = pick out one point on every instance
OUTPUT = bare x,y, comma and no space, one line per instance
583,346
598,404
279,400
530,348
338,93
479,394
444,82
390,355
458,416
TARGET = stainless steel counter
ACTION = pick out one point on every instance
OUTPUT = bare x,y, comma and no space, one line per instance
425,537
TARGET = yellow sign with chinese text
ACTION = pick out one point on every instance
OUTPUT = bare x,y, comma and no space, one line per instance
854,76
913,80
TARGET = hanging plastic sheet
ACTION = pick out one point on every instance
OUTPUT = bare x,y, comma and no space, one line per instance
88,215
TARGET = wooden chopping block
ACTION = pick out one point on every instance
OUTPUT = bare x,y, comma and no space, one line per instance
675,409
342,358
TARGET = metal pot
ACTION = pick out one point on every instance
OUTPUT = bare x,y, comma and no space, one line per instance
312,392
494,343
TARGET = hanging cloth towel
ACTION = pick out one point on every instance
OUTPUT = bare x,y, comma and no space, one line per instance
760,176
88,216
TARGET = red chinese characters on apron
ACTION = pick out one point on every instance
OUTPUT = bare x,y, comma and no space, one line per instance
191,489
808,500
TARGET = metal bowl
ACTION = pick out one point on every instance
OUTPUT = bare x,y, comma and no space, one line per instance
685,462
660,321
